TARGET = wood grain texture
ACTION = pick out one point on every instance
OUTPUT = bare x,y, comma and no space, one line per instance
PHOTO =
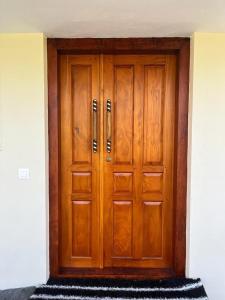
177,46
153,114
146,130
181,158
123,103
81,229
79,213
152,183
123,183
81,182
115,272
54,158
122,229
152,230
118,45
81,95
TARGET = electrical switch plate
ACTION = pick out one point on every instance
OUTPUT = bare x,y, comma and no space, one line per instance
23,173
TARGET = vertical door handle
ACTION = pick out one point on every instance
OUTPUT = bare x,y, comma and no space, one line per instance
94,126
108,126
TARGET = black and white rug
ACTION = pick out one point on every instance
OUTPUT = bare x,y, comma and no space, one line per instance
112,289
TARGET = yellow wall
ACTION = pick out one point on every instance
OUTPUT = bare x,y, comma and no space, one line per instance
206,250
23,210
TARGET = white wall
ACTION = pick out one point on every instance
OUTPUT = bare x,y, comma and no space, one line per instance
23,203
206,257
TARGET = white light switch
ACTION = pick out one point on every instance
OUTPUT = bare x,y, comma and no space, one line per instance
23,173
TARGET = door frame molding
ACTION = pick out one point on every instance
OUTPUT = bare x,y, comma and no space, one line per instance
178,46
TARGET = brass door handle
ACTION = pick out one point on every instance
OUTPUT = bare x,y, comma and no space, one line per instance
108,126
94,126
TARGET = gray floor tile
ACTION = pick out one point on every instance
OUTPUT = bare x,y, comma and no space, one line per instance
17,294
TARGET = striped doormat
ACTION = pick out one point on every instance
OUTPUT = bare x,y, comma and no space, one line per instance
112,289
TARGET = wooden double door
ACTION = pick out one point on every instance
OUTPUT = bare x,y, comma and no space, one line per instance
117,116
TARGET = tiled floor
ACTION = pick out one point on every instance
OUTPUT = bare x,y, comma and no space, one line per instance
17,294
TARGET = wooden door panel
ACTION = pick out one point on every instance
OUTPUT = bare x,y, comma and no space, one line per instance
153,114
81,113
138,173
152,183
81,182
122,183
123,114
122,229
79,225
81,229
152,230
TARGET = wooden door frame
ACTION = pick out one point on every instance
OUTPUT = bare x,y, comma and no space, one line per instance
178,46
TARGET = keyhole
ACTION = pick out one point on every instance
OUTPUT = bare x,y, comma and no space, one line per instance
77,130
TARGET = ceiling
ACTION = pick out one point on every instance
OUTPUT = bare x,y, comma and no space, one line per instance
112,18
